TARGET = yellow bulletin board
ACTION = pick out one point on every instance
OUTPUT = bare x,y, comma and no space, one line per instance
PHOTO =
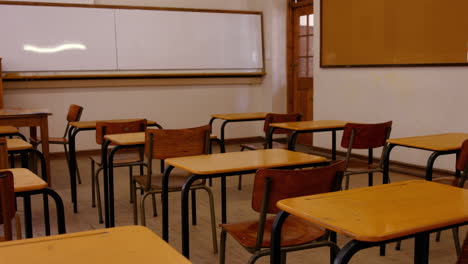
361,33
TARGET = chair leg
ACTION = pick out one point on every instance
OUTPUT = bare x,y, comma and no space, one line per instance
371,179
142,208
135,203
45,200
256,256
398,245
93,184
222,247
456,240
239,184
213,219
155,210
283,257
130,178
347,182
19,233
98,194
194,207
438,236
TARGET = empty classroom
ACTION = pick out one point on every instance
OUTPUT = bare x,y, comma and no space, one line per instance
216,131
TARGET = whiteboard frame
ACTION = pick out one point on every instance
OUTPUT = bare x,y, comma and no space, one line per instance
65,75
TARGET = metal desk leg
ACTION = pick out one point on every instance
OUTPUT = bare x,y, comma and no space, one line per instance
269,137
106,182
351,248
185,215
165,203
421,248
276,237
223,125
430,164
333,144
27,216
386,163
110,182
72,168
223,200
292,140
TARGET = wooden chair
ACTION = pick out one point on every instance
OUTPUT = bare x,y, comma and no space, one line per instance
364,136
271,186
129,159
170,143
270,119
8,206
74,115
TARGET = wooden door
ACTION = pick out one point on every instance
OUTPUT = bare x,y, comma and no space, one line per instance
300,62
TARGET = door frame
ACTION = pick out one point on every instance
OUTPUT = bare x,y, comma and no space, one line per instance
290,51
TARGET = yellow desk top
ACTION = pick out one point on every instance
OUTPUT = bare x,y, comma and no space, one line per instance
92,124
25,180
383,212
130,138
440,142
241,116
8,130
23,111
17,144
311,125
242,161
121,245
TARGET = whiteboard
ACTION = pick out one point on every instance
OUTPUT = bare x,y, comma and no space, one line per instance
67,40
42,38
164,40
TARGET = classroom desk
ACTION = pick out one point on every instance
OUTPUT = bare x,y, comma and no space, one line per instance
119,141
26,183
129,244
301,127
76,127
373,216
440,144
222,165
237,117
31,118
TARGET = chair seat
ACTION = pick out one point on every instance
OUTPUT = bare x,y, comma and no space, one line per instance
256,146
8,130
119,159
296,231
176,180
17,144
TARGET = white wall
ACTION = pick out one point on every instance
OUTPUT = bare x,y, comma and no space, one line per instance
172,106
419,100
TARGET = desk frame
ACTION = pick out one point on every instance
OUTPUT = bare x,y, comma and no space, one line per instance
223,126
421,245
293,137
185,194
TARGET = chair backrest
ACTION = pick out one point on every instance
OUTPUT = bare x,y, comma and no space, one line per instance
280,118
171,143
7,203
110,127
365,136
74,113
294,183
462,165
3,154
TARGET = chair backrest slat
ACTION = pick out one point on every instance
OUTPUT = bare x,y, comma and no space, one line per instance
109,128
366,136
280,118
462,159
294,183
172,143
